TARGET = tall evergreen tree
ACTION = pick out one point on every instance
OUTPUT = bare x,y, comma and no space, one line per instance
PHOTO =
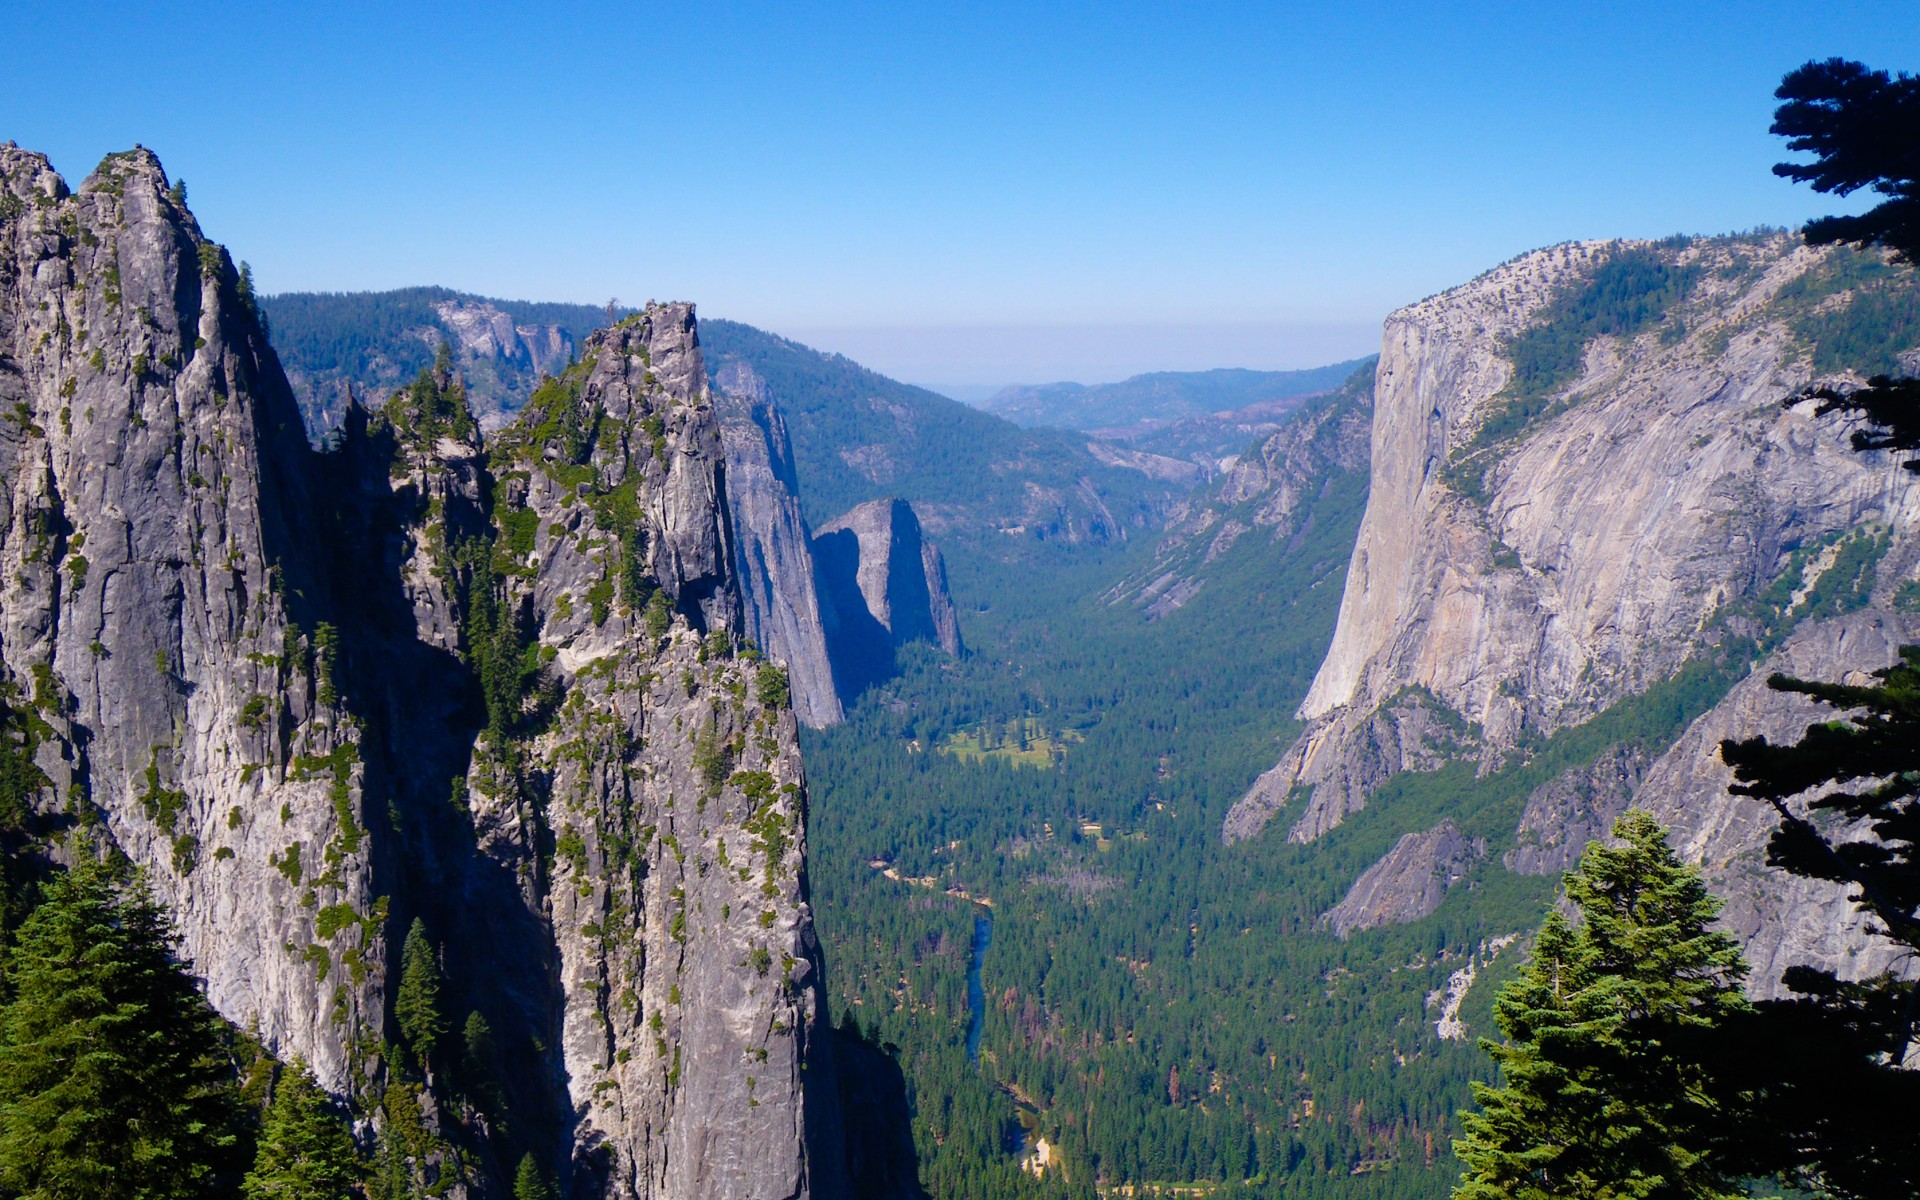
1601,1093
416,1005
306,1151
113,1077
20,781
530,1182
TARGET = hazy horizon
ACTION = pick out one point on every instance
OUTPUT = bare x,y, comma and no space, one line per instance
889,181
969,363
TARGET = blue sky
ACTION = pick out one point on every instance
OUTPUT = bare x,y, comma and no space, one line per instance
958,194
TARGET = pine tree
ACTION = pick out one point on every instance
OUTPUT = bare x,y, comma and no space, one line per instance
113,1077
306,1152
417,1004
530,1183
1838,1097
1877,750
1602,1094
480,1051
1860,125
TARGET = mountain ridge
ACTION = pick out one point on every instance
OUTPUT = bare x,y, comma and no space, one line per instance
1490,604
1141,403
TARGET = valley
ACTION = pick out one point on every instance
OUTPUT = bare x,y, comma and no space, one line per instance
795,782
1205,974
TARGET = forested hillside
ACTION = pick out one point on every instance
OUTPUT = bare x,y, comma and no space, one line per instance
1159,398
378,341
994,495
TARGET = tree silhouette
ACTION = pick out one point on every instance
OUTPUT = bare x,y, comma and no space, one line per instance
1834,1108
1863,129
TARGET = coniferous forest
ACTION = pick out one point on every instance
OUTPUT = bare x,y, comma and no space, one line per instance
1024,909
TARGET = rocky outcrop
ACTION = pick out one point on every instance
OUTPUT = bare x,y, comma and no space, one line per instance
1408,883
1585,559
882,586
1577,806
1781,920
1177,471
670,781
1412,731
772,542
164,607
1528,561
496,692
479,331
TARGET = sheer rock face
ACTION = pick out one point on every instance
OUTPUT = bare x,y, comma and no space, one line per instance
1409,883
1613,539
684,944
253,668
1609,534
833,607
883,585
772,542
160,601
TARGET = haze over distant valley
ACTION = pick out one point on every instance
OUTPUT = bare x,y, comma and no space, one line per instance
1134,602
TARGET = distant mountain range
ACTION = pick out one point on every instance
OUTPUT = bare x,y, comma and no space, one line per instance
1136,406
377,342
989,489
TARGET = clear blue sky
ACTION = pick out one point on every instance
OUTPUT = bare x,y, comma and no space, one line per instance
956,194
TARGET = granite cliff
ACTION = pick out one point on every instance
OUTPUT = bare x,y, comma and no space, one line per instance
773,543
883,585
832,606
490,688
1543,544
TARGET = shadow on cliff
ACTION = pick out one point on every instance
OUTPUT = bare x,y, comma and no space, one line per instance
423,714
859,647
876,1159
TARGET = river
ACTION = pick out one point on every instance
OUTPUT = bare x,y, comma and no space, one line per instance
976,995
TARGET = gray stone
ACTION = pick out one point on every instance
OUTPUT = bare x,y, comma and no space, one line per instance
882,585
1567,812
772,542
256,669
1612,541
1409,882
